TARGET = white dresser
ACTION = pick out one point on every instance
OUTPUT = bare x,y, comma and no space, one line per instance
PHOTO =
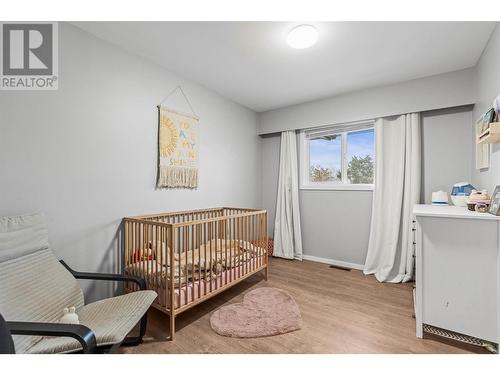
457,271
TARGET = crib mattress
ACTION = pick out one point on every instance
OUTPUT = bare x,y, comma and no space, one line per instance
193,290
184,270
215,264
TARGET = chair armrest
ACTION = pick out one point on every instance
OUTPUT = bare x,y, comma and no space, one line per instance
77,331
106,276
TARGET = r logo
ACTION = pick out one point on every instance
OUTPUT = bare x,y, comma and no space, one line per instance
27,49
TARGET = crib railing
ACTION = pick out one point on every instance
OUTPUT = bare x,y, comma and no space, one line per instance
189,256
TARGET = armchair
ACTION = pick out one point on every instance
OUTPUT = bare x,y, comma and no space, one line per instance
36,287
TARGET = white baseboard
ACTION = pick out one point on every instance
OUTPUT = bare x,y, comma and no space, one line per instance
334,262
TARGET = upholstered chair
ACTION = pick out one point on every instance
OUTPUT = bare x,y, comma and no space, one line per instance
35,287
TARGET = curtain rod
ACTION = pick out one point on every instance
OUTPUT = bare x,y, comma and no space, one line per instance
342,124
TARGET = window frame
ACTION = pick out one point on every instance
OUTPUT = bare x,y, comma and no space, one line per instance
304,157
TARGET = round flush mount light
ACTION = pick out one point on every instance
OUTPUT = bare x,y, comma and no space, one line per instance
302,36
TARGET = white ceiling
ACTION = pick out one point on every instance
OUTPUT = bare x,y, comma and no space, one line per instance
250,62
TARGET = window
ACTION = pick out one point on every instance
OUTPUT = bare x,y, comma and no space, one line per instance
338,157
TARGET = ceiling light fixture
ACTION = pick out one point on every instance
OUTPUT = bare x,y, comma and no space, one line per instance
302,36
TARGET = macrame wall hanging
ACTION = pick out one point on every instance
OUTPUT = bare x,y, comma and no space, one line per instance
177,146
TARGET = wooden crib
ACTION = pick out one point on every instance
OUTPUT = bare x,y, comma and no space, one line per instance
188,257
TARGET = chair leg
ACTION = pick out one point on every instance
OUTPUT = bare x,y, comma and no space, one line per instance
112,349
144,323
172,327
136,340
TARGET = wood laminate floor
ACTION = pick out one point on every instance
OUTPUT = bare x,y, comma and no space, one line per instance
342,311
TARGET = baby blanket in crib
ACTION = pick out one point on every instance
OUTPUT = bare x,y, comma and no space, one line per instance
177,149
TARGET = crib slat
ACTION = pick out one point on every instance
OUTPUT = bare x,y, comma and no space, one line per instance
252,250
163,277
171,235
137,250
263,245
245,236
186,252
225,252
240,269
179,261
211,256
198,244
205,259
247,241
144,247
232,261
242,245
216,265
154,251
192,263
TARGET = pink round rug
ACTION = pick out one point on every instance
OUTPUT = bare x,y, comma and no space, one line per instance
263,312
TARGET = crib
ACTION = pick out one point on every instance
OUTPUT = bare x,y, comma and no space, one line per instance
188,257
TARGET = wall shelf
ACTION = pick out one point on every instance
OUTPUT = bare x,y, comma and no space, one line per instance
490,135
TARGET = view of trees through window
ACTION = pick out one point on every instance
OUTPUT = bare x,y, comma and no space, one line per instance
326,158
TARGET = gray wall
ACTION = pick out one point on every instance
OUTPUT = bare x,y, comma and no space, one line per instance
336,224
429,93
488,88
269,169
446,153
85,155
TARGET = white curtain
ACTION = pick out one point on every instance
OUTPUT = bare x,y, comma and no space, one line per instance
397,189
287,236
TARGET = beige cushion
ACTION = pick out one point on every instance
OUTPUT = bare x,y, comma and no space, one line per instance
110,319
22,235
